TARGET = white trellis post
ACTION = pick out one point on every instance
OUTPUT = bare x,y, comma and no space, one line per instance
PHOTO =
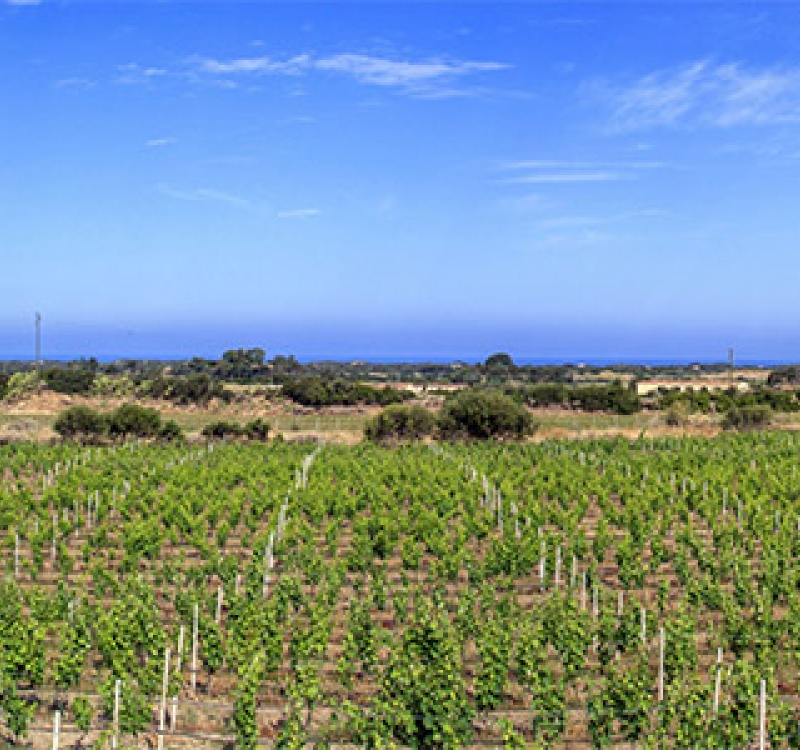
115,716
178,663
643,618
162,713
56,728
717,681
762,716
194,648
661,665
557,579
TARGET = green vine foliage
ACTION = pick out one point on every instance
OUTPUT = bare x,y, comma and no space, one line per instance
244,708
422,702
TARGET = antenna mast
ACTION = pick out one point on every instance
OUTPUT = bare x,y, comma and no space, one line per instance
39,351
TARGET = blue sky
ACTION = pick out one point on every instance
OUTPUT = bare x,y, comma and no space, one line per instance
560,180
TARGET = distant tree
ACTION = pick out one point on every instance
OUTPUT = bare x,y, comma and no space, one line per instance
677,415
80,422
3,384
480,414
243,357
171,432
222,430
69,380
257,429
400,422
133,420
22,384
747,417
499,361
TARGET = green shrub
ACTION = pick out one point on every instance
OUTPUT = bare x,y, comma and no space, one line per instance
221,430
171,432
747,417
80,422
257,429
400,422
69,380
479,414
133,420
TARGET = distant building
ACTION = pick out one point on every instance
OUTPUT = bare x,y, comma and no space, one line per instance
650,387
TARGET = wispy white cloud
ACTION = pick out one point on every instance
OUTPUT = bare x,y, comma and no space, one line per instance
133,73
526,164
565,171
587,222
299,213
159,142
385,72
203,194
703,93
23,2
556,177
292,66
430,78
75,83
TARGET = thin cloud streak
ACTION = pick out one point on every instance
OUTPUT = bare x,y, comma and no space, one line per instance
299,213
703,93
425,78
203,194
565,177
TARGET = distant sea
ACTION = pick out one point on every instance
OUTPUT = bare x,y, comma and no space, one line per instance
423,358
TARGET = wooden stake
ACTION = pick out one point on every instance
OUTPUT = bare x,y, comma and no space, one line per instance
717,681
762,716
219,604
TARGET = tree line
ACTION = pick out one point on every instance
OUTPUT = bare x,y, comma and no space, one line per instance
319,392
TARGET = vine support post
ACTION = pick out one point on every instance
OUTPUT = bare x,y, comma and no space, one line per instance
16,555
643,619
542,561
115,716
162,713
219,603
619,603
557,578
178,663
661,665
194,648
56,728
717,681
762,716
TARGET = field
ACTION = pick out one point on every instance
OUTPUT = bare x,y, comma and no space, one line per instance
32,419
596,593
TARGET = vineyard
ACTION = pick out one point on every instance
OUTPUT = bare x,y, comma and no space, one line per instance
599,594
